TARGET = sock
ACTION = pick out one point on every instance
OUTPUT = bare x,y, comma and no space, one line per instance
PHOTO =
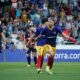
29,60
39,61
51,64
50,61
35,60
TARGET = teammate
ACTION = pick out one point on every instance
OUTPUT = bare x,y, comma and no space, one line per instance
31,47
40,46
50,33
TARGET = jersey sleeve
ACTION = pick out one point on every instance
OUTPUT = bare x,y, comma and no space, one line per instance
59,30
43,32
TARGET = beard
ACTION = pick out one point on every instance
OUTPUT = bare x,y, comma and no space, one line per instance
50,26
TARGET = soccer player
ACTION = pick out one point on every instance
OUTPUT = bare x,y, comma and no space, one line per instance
40,46
50,33
31,47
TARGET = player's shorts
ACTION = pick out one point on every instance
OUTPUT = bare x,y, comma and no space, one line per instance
48,48
40,50
31,49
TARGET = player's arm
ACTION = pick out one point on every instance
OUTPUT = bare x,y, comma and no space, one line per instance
69,38
36,35
30,39
42,34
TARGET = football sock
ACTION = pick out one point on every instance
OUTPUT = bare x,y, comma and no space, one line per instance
29,59
50,62
35,60
39,61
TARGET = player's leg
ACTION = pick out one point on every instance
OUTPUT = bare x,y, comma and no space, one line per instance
40,58
39,63
50,64
28,57
53,54
34,52
50,59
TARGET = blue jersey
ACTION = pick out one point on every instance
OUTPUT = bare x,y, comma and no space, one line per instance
50,35
41,41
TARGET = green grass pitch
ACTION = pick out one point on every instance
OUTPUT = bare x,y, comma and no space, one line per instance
19,71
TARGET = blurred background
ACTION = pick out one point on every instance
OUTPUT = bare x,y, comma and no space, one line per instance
17,16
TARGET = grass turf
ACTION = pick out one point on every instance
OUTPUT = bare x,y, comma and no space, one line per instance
19,71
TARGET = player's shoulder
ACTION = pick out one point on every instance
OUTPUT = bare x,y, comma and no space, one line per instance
46,28
38,29
57,27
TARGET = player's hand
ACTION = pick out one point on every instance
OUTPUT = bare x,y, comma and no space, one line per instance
36,39
76,42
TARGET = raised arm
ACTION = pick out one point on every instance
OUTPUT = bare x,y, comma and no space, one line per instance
69,38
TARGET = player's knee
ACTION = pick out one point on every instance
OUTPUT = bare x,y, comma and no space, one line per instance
52,53
40,54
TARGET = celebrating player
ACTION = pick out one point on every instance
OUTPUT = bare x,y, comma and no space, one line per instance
40,46
50,33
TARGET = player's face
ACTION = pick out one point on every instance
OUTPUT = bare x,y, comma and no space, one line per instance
51,24
47,23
